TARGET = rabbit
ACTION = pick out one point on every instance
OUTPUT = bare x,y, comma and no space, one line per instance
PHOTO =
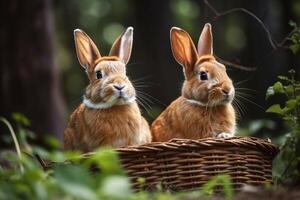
204,108
109,114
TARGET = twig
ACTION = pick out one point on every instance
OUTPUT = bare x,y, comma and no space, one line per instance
283,41
211,8
275,45
41,161
220,14
235,65
270,38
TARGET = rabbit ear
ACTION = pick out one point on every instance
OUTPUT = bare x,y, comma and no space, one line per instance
183,49
205,43
123,45
87,51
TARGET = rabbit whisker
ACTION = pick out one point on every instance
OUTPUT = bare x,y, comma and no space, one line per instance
245,89
151,97
142,86
239,107
142,103
145,98
142,78
249,101
241,82
243,95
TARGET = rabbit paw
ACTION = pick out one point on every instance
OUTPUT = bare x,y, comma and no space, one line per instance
224,135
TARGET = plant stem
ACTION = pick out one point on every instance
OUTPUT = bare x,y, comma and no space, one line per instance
13,135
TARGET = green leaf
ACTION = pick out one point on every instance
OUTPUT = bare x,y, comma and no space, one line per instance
220,180
289,90
52,142
278,87
107,160
292,23
274,109
112,184
291,104
257,125
18,117
292,72
295,48
270,92
284,78
75,181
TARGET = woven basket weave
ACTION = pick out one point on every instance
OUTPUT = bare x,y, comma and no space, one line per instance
183,164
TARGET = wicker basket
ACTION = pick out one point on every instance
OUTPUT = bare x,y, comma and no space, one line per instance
183,164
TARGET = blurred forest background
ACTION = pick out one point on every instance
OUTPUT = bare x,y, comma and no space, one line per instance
40,75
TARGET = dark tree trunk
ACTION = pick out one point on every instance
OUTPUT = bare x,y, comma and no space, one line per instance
152,48
29,78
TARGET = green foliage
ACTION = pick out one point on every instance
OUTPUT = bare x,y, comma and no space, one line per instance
288,162
75,178
261,127
295,38
223,180
186,12
72,180
18,117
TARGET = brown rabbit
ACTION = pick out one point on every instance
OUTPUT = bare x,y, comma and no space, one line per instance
109,114
204,108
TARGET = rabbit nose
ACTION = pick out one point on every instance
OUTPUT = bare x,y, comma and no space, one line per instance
119,87
226,88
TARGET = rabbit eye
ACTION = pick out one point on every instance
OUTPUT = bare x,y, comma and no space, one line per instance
203,76
98,74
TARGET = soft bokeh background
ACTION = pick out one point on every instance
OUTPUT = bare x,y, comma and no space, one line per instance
41,77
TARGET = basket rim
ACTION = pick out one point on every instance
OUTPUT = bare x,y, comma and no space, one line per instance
187,145
178,144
